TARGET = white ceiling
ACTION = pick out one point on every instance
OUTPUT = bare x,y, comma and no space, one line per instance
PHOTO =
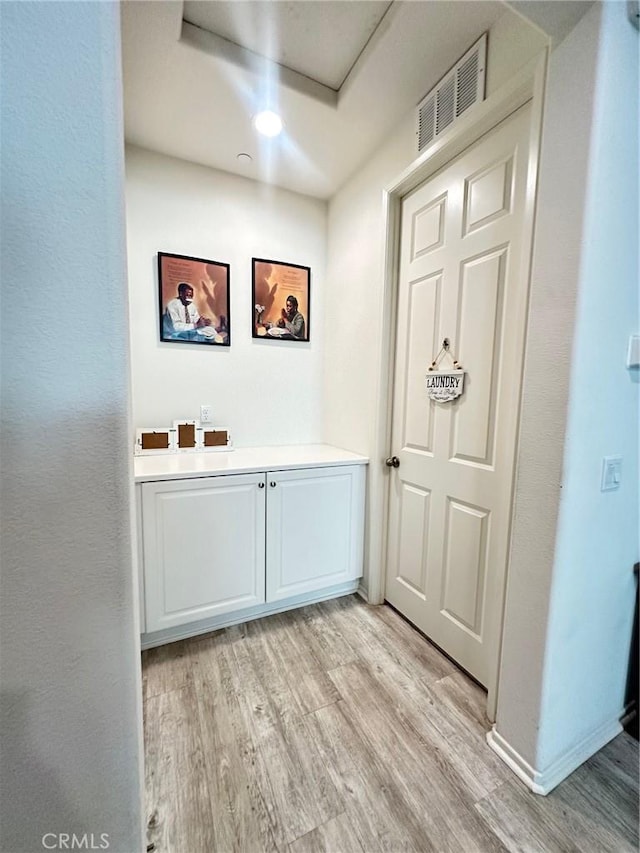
341,74
321,39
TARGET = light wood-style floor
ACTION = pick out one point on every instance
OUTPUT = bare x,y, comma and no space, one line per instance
338,728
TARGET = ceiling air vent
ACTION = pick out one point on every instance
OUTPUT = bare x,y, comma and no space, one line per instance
458,90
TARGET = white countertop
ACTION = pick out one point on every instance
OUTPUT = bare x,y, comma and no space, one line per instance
242,460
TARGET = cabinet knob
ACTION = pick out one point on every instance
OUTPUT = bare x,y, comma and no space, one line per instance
272,484
261,485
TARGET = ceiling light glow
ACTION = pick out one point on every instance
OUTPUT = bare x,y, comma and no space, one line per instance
268,123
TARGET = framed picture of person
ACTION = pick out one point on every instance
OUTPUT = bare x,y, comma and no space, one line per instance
281,299
194,304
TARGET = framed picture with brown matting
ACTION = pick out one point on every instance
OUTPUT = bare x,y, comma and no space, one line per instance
214,438
155,441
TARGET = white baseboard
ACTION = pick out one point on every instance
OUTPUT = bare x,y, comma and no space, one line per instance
544,781
629,713
363,593
214,623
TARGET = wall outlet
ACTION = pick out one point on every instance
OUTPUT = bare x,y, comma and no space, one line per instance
206,414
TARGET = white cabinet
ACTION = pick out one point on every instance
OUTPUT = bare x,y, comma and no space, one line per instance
203,545
248,543
314,529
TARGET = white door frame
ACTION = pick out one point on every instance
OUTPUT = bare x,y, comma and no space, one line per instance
527,85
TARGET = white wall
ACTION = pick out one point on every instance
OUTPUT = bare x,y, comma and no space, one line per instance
70,671
355,274
570,596
266,392
597,542
563,169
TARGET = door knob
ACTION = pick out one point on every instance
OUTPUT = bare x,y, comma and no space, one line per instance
392,462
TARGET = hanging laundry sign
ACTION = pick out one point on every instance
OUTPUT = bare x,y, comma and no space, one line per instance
445,385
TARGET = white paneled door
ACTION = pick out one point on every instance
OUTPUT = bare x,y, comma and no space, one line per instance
460,278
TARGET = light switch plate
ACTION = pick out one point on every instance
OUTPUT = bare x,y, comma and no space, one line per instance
633,352
611,473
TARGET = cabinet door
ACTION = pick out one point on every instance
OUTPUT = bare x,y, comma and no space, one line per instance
203,547
314,529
